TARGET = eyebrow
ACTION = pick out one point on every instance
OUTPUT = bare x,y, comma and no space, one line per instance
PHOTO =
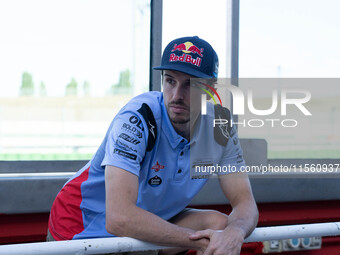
173,77
169,75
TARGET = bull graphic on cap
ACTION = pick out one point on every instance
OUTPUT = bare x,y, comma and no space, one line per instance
188,47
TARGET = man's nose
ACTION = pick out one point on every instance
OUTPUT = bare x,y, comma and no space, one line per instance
179,93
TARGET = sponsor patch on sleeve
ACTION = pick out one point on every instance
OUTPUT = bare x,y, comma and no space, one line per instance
129,139
125,154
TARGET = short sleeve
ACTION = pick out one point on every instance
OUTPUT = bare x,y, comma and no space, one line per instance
232,159
126,143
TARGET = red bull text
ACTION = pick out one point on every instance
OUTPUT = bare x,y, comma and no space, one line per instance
187,48
186,58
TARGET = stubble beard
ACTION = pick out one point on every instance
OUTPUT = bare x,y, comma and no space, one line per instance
178,119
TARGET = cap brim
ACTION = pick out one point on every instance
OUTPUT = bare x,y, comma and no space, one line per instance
182,69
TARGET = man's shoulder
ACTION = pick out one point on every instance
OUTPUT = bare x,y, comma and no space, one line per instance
148,108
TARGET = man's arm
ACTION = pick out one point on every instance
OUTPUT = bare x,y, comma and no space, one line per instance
242,220
237,189
124,218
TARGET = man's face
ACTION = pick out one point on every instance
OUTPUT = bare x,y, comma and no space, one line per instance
176,91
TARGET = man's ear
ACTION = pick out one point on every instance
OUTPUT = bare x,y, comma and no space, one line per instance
208,96
210,90
205,86
213,85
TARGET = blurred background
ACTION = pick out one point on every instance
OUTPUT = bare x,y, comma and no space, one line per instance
67,67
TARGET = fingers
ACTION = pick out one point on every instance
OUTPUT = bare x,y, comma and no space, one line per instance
207,233
199,252
208,251
218,242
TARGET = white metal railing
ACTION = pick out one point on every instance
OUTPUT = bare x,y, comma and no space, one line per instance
126,244
39,175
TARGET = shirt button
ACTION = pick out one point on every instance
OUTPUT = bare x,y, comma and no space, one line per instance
181,153
179,171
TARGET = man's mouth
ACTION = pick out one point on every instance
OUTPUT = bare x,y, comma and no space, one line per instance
176,108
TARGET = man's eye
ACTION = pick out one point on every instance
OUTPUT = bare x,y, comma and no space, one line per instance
170,81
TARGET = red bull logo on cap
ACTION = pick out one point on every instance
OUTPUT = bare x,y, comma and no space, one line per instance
187,48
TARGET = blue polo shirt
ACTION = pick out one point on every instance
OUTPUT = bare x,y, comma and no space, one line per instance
152,150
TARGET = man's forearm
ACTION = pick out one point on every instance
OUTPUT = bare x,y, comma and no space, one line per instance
124,218
143,225
244,216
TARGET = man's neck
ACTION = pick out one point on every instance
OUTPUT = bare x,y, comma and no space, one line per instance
182,129
185,129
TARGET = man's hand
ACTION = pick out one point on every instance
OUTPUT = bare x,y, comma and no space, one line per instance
227,242
241,221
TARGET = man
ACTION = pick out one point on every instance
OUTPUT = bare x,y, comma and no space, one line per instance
138,184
